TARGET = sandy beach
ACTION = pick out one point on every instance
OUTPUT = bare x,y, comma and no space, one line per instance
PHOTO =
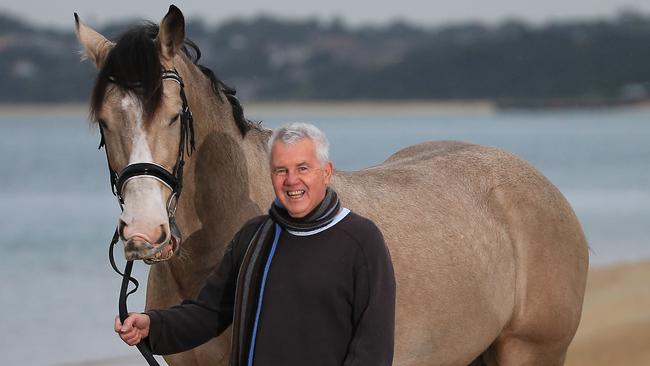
615,326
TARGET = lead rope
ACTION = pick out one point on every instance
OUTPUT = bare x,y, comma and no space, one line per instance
123,310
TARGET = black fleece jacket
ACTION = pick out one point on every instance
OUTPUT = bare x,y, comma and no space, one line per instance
329,300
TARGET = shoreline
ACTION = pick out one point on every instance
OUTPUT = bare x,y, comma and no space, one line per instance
43,109
281,108
369,107
271,109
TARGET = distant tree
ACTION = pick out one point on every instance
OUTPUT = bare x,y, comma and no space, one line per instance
273,58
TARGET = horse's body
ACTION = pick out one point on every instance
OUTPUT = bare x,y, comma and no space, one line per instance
489,257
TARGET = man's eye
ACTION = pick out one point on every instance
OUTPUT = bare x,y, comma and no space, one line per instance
303,169
280,172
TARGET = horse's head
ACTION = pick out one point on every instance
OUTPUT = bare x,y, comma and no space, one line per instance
140,106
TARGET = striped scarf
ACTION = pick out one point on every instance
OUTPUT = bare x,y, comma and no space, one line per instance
254,268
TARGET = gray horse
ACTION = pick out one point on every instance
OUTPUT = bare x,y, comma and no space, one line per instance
490,259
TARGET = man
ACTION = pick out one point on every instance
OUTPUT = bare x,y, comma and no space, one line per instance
309,284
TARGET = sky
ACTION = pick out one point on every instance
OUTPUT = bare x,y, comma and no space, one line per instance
426,12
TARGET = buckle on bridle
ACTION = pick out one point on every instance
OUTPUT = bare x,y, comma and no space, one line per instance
172,204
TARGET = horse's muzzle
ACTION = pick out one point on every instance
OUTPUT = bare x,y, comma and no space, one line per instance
138,249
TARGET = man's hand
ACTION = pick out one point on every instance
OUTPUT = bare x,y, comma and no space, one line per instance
135,327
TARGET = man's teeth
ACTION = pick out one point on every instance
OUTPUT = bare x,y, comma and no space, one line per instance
295,193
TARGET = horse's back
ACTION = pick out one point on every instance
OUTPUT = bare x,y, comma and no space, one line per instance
473,232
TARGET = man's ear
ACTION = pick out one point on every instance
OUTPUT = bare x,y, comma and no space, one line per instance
96,47
328,169
171,34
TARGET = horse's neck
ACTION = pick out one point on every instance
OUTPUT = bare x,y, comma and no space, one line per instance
226,182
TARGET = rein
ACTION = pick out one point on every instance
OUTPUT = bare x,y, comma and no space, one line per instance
173,180
122,306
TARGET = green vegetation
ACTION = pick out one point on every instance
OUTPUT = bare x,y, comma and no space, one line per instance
596,61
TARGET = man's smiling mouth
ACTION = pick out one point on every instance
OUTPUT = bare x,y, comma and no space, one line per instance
296,194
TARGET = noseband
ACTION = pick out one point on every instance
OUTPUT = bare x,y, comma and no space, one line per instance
173,180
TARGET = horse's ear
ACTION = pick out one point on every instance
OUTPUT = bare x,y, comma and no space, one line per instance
96,47
172,33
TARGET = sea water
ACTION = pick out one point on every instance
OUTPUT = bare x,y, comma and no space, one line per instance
58,294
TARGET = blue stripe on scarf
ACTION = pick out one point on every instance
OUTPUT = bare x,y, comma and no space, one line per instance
327,213
251,352
340,216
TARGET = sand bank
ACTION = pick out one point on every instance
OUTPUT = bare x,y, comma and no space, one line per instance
269,109
263,110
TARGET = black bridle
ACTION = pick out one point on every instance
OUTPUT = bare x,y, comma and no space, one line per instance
173,180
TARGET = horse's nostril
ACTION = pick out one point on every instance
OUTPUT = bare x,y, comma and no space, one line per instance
163,235
120,227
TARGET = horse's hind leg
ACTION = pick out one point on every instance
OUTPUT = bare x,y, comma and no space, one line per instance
551,261
510,352
519,352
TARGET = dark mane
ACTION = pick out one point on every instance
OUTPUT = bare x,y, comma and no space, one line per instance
134,65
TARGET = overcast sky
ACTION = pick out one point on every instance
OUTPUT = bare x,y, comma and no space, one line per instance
428,12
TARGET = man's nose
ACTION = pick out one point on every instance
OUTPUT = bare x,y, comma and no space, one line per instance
291,178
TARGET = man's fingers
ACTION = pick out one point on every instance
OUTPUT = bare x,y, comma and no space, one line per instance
131,337
129,334
129,323
130,331
118,324
133,340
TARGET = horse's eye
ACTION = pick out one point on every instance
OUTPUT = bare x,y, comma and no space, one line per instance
102,124
174,119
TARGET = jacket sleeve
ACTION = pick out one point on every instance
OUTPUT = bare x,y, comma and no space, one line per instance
194,322
374,305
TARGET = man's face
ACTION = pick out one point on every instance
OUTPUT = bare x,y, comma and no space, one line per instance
299,180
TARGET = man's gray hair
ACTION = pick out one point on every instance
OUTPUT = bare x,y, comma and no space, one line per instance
291,133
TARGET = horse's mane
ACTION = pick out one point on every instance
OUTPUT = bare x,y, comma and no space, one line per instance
134,65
